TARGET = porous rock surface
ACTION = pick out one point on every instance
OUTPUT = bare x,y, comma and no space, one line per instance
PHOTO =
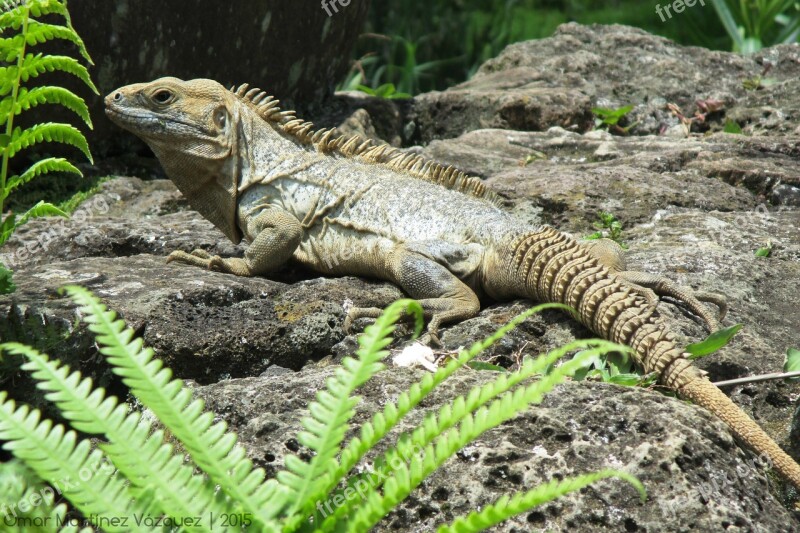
695,209
557,81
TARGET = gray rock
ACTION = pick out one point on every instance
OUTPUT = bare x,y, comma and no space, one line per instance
535,85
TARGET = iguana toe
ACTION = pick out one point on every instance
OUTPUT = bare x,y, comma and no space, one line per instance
354,313
717,299
196,258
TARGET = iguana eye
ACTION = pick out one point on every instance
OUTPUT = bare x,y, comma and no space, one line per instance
163,96
221,117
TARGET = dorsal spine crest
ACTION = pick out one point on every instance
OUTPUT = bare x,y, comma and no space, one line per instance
327,141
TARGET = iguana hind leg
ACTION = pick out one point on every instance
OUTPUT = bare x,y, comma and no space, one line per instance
277,235
444,298
650,286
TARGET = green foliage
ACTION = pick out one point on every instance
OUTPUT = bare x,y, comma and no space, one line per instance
22,494
6,280
509,506
755,24
610,228
713,342
792,363
764,251
71,204
731,126
616,368
19,31
609,118
135,471
387,90
423,46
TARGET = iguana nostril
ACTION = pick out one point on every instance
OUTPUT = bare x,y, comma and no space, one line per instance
117,96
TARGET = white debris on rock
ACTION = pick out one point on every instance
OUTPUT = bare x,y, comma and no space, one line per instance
416,355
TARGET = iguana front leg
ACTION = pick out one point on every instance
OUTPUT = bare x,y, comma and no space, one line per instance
277,236
651,286
444,298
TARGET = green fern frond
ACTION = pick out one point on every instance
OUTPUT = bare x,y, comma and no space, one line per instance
48,132
40,168
12,11
81,474
45,95
20,484
141,455
212,448
41,209
383,422
453,413
326,426
34,65
410,467
508,506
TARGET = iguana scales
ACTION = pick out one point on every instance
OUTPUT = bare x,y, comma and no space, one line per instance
294,192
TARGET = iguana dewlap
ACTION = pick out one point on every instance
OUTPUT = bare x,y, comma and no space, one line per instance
345,205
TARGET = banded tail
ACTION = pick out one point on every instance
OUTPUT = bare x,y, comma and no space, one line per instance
549,266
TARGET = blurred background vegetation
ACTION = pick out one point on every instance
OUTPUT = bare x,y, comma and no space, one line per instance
413,47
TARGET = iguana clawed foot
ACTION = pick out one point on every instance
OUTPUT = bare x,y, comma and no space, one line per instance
201,258
430,337
651,286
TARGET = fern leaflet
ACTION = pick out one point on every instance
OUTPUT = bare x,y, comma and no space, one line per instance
333,409
407,476
50,132
82,475
213,449
142,457
41,167
508,506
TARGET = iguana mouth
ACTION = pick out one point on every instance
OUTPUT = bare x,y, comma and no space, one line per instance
130,118
127,118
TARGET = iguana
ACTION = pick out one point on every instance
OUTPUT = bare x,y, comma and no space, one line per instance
345,205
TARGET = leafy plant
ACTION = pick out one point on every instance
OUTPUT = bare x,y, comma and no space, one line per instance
716,341
135,473
387,90
20,31
731,126
753,24
617,368
792,363
765,251
608,224
609,118
26,500
73,202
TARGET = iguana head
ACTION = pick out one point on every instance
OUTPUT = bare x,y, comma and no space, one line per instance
192,126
